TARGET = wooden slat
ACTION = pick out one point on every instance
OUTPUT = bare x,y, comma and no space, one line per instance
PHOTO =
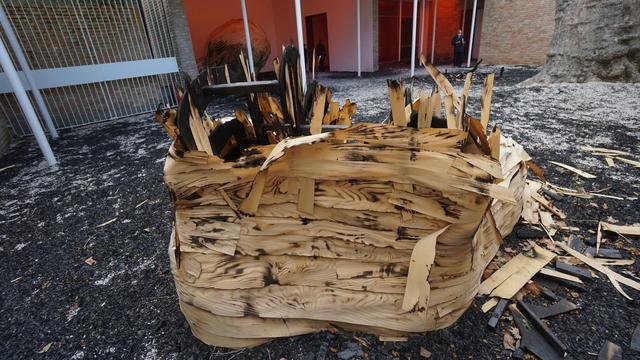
210,270
315,303
487,92
396,97
306,194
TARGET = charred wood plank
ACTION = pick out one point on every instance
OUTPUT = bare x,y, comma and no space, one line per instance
583,274
561,307
242,88
497,313
550,337
532,340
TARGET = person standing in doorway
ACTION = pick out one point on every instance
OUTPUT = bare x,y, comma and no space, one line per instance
321,52
458,48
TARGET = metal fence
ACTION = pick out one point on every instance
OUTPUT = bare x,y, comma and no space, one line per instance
93,57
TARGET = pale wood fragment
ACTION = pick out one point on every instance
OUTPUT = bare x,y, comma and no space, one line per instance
579,172
422,257
487,92
318,110
396,97
633,230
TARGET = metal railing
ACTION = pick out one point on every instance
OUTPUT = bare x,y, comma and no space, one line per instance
82,42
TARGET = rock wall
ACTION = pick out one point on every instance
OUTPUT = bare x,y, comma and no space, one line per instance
594,40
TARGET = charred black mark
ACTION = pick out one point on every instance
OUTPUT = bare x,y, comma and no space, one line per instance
261,252
248,309
361,157
305,221
413,156
249,162
269,279
374,198
196,195
364,274
202,241
401,231
193,242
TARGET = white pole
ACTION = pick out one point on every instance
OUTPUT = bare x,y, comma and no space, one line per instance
358,36
247,38
25,104
26,70
473,30
413,37
301,45
422,27
433,39
400,31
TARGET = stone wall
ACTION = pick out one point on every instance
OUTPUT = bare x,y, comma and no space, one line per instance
517,31
594,40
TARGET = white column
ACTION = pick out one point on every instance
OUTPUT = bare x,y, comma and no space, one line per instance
358,36
473,30
25,104
26,70
247,38
400,31
433,39
422,27
301,45
413,37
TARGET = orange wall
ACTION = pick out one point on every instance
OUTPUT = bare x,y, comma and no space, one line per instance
277,19
206,15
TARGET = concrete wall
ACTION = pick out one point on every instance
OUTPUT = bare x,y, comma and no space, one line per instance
277,19
517,31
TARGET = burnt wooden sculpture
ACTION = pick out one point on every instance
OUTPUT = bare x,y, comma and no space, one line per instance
378,228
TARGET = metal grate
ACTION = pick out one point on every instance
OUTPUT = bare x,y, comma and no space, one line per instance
64,33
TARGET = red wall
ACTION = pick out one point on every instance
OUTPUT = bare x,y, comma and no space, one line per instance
449,19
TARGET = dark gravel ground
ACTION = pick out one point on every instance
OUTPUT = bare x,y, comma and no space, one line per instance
125,305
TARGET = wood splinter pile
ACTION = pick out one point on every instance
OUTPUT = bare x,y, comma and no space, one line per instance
378,228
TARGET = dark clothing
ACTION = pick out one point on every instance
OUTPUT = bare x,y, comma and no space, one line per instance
458,43
321,53
458,49
458,58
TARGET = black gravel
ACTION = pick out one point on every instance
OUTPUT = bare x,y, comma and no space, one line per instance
125,306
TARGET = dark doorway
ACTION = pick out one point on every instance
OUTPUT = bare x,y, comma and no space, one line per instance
318,39
395,28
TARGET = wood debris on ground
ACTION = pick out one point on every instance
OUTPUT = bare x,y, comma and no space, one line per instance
45,348
107,222
610,156
527,273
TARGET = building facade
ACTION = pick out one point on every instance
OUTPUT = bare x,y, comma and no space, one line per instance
517,31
